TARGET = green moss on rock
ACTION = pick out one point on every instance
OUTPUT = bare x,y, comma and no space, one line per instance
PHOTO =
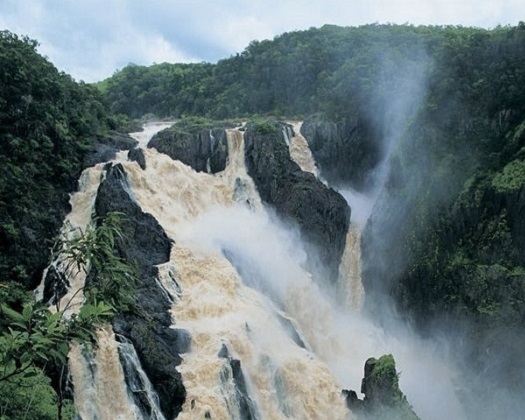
511,178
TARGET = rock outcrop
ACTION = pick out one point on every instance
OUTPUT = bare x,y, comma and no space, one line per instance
203,150
144,244
383,398
137,155
345,152
247,408
105,148
321,214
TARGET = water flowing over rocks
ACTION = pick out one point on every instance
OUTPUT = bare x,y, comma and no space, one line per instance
145,244
247,408
204,151
321,213
55,286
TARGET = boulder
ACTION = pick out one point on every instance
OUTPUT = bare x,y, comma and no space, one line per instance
137,155
204,150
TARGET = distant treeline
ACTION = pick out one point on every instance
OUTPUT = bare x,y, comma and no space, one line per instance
332,70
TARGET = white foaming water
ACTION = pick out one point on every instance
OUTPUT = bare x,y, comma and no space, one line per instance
240,283
149,130
300,151
215,305
99,386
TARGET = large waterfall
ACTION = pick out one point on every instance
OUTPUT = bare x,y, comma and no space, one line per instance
266,341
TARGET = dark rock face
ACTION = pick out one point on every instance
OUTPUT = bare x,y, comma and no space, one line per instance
55,286
383,398
321,214
145,244
345,152
104,148
204,151
248,409
137,155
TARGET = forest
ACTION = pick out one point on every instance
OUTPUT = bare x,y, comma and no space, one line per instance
444,106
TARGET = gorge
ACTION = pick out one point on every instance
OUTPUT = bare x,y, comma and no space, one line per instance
251,331
263,261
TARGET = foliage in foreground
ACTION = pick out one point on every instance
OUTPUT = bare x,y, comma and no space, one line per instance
37,340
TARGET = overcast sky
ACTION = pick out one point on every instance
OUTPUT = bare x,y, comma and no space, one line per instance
90,39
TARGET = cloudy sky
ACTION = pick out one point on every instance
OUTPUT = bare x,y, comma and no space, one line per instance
90,39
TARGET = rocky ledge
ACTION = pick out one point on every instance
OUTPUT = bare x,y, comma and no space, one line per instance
321,214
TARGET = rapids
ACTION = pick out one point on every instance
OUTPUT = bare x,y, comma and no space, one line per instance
241,288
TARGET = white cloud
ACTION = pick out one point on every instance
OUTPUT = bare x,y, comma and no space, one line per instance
90,39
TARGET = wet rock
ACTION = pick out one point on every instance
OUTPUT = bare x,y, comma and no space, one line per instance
55,286
137,155
144,244
204,150
247,408
321,213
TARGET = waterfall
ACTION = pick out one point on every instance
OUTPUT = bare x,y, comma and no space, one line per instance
218,303
300,151
99,385
266,341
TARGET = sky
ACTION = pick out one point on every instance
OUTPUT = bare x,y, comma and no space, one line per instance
91,39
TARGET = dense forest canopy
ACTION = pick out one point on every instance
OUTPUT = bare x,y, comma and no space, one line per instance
328,69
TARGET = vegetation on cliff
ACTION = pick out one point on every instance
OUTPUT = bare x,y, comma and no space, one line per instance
48,123
445,105
383,398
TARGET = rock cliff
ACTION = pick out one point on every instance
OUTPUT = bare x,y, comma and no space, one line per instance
203,150
321,214
144,244
346,152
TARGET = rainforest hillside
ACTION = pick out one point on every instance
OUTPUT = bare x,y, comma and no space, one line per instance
427,122
446,103
431,121
50,128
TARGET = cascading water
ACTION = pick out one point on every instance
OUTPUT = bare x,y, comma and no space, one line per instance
299,150
427,379
266,342
214,303
350,268
100,388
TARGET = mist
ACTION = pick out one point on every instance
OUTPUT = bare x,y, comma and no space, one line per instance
385,213
269,258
